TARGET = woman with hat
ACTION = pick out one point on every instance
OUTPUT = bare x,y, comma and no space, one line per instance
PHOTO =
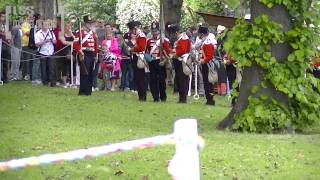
182,48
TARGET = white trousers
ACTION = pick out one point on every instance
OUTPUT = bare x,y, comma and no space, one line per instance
15,62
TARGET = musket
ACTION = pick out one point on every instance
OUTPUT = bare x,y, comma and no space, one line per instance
196,95
161,23
80,39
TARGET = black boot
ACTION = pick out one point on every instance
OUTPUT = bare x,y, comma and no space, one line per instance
210,102
233,101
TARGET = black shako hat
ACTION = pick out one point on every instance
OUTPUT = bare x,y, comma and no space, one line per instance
203,29
154,26
131,25
36,16
173,28
87,19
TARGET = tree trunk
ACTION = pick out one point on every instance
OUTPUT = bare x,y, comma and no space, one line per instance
48,9
172,11
243,8
253,75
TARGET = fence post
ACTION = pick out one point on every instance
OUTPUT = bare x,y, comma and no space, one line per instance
71,70
185,163
1,82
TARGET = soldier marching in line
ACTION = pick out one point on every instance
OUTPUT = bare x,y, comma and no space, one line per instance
206,55
88,51
157,65
139,50
181,51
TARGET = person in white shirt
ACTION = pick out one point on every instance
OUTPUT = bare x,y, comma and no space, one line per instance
45,40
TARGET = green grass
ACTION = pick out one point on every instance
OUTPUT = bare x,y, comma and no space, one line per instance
38,120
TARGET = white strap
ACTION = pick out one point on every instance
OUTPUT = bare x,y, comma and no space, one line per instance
86,37
141,56
157,44
184,58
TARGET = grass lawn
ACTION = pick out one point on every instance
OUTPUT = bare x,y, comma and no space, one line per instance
38,120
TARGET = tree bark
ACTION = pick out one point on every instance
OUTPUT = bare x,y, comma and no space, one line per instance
243,8
46,8
253,76
172,11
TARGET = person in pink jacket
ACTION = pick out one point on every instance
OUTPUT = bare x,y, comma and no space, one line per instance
111,60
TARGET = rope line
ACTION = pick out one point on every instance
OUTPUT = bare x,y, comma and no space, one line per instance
185,164
27,60
88,153
33,53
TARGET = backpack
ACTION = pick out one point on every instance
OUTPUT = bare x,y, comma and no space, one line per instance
32,44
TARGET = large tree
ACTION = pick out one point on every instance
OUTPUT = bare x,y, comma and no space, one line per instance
172,10
275,50
47,8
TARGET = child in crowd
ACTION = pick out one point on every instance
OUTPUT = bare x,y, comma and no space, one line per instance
110,67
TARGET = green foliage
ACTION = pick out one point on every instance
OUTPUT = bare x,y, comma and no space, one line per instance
208,6
251,44
232,3
15,3
103,9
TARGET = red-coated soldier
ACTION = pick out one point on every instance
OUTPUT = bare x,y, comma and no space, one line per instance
157,65
181,51
206,55
88,52
139,50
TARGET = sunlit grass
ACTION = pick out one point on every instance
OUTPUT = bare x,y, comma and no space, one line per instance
38,120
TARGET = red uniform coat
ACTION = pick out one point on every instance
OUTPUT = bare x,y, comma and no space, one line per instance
141,43
156,53
58,45
182,45
207,51
229,59
90,44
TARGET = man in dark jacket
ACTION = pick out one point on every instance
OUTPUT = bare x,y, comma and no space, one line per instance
4,50
36,74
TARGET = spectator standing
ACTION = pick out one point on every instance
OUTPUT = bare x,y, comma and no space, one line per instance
36,73
113,52
126,62
15,52
5,51
57,48
66,39
26,54
101,35
45,40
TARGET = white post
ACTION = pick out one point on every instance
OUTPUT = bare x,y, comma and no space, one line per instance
196,95
185,163
190,82
77,72
1,82
61,11
8,12
71,70
54,5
